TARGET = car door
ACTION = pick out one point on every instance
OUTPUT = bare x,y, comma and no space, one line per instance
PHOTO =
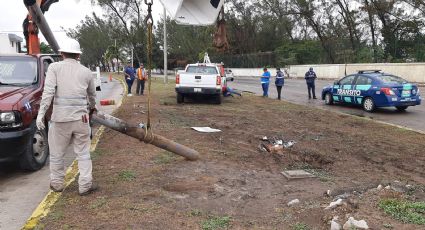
361,88
342,92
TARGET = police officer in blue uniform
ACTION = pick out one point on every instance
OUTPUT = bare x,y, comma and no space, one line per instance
310,77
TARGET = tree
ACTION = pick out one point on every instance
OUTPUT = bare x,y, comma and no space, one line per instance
45,48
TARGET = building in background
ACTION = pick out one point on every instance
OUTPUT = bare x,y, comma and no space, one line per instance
10,43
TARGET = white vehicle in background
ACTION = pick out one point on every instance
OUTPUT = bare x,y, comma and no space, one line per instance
201,79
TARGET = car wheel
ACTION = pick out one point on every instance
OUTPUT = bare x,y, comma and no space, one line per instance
218,99
180,98
368,104
328,99
37,151
401,108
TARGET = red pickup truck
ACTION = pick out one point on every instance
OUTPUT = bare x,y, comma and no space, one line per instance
21,86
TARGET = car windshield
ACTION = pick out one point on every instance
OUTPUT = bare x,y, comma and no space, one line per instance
17,71
392,79
202,69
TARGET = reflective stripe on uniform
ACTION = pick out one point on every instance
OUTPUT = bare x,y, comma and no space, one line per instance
70,101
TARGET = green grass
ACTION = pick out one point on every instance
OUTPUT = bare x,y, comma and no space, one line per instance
195,212
164,158
404,211
127,175
300,226
216,223
98,203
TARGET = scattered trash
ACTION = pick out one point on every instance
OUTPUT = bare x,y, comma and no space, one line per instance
388,187
379,187
335,225
293,202
261,148
334,204
297,174
275,145
107,102
206,129
328,193
289,144
141,125
356,224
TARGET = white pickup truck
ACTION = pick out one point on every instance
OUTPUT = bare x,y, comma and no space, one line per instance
201,79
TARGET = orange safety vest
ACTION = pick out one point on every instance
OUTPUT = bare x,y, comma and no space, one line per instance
140,74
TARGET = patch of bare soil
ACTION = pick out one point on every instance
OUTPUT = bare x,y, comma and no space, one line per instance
235,185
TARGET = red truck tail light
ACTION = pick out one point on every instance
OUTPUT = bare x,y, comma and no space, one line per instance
178,79
388,91
218,82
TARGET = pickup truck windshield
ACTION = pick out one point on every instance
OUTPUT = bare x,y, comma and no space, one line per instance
202,69
17,71
392,79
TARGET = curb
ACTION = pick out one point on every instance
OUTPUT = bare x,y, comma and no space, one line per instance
71,173
52,197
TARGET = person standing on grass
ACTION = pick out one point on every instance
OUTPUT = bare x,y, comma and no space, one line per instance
279,82
129,74
265,79
310,78
141,78
70,87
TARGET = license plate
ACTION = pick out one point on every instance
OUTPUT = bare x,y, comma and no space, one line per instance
197,90
405,93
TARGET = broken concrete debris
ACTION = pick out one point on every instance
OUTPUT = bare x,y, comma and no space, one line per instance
297,174
293,202
356,224
335,225
334,204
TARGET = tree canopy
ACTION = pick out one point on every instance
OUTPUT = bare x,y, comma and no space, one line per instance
266,32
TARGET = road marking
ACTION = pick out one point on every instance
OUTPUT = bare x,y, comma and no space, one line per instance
71,173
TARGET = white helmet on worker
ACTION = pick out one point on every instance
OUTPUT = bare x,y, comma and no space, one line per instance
70,45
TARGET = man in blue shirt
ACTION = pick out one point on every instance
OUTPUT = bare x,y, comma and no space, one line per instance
265,79
129,74
279,82
310,77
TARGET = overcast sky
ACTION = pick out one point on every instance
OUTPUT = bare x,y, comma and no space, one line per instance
65,13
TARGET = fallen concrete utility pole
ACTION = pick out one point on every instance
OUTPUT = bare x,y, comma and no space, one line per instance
140,134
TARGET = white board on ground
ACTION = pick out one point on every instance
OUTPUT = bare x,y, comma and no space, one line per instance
206,129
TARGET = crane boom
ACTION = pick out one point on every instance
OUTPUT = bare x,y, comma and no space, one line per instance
36,21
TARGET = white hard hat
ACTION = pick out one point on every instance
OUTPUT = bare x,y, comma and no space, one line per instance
70,46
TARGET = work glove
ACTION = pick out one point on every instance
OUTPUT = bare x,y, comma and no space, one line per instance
40,123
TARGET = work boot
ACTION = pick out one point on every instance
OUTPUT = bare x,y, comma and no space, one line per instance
56,188
93,188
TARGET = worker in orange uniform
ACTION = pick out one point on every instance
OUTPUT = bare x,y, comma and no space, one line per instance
141,78
70,86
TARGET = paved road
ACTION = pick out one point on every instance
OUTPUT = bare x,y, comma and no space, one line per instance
21,192
295,90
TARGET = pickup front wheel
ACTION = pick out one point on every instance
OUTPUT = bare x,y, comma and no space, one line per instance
37,151
180,98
